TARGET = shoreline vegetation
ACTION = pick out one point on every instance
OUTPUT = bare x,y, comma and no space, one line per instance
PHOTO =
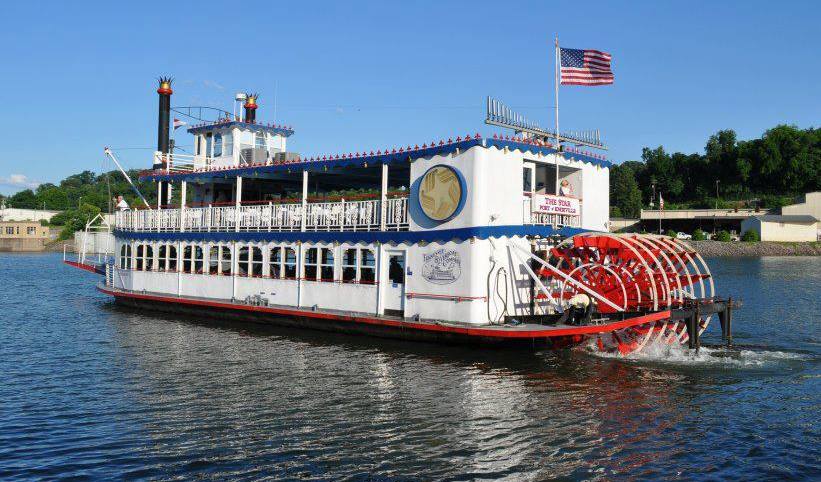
766,173
714,249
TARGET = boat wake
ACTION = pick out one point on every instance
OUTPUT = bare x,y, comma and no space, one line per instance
659,351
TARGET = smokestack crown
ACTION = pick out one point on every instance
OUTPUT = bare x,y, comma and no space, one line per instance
250,107
251,101
165,86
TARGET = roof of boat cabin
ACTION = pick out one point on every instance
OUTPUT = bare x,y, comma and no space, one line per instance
364,159
285,131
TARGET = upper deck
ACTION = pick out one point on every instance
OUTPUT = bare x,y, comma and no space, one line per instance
493,181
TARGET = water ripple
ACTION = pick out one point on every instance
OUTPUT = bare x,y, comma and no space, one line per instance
90,390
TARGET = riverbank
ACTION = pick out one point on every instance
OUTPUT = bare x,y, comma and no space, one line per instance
763,248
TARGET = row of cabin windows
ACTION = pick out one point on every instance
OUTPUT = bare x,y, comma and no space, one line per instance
358,265
224,145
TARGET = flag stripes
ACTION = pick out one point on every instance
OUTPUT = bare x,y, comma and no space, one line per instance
585,67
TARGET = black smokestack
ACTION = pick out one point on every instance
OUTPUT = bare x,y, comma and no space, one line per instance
251,108
163,121
164,114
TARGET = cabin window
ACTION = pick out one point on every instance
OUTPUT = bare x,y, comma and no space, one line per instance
198,261
259,140
242,261
367,266
289,264
256,262
349,265
209,144
275,262
228,145
319,264
311,259
225,266
149,257
358,266
218,145
187,253
172,257
162,252
214,260
327,264
125,256
140,257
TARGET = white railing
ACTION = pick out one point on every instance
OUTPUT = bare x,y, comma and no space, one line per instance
182,162
543,219
321,216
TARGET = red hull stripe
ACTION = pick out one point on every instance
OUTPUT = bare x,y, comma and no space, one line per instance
467,331
87,267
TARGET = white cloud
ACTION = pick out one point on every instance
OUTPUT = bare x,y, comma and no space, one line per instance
18,181
212,84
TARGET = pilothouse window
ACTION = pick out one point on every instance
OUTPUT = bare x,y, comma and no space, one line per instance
218,145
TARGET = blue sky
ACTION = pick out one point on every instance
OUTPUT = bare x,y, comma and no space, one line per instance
368,75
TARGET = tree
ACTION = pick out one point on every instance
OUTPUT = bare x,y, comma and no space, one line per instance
24,199
722,235
749,236
662,172
624,191
76,219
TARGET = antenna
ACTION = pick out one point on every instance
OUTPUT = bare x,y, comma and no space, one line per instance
498,114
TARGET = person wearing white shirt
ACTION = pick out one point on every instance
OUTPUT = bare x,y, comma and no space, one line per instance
566,189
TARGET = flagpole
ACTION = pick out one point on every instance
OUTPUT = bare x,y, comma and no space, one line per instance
558,144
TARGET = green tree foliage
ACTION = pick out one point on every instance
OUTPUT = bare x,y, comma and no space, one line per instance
75,219
722,235
671,233
698,235
625,196
783,163
84,188
750,236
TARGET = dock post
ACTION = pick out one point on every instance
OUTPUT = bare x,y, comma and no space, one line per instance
693,341
722,320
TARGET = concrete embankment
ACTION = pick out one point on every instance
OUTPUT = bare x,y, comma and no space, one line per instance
719,248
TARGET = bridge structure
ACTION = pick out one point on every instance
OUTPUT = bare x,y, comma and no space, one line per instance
689,219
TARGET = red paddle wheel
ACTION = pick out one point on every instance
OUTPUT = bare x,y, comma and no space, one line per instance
627,273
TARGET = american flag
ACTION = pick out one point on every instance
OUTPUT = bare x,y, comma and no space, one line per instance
585,67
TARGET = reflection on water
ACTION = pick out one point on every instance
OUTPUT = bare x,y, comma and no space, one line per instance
91,389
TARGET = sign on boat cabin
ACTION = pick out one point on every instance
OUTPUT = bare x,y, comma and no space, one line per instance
548,204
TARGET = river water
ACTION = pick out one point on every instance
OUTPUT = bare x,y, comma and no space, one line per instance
91,390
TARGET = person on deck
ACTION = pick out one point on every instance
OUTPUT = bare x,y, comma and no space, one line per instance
566,189
121,204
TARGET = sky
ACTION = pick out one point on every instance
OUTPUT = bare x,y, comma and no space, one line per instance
351,76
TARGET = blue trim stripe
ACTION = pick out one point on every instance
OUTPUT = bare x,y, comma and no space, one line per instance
387,158
443,235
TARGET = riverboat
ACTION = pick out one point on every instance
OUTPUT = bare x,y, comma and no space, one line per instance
494,240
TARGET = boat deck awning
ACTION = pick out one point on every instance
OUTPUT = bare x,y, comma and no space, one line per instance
401,155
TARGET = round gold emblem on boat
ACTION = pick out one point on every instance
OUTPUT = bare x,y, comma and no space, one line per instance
440,193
